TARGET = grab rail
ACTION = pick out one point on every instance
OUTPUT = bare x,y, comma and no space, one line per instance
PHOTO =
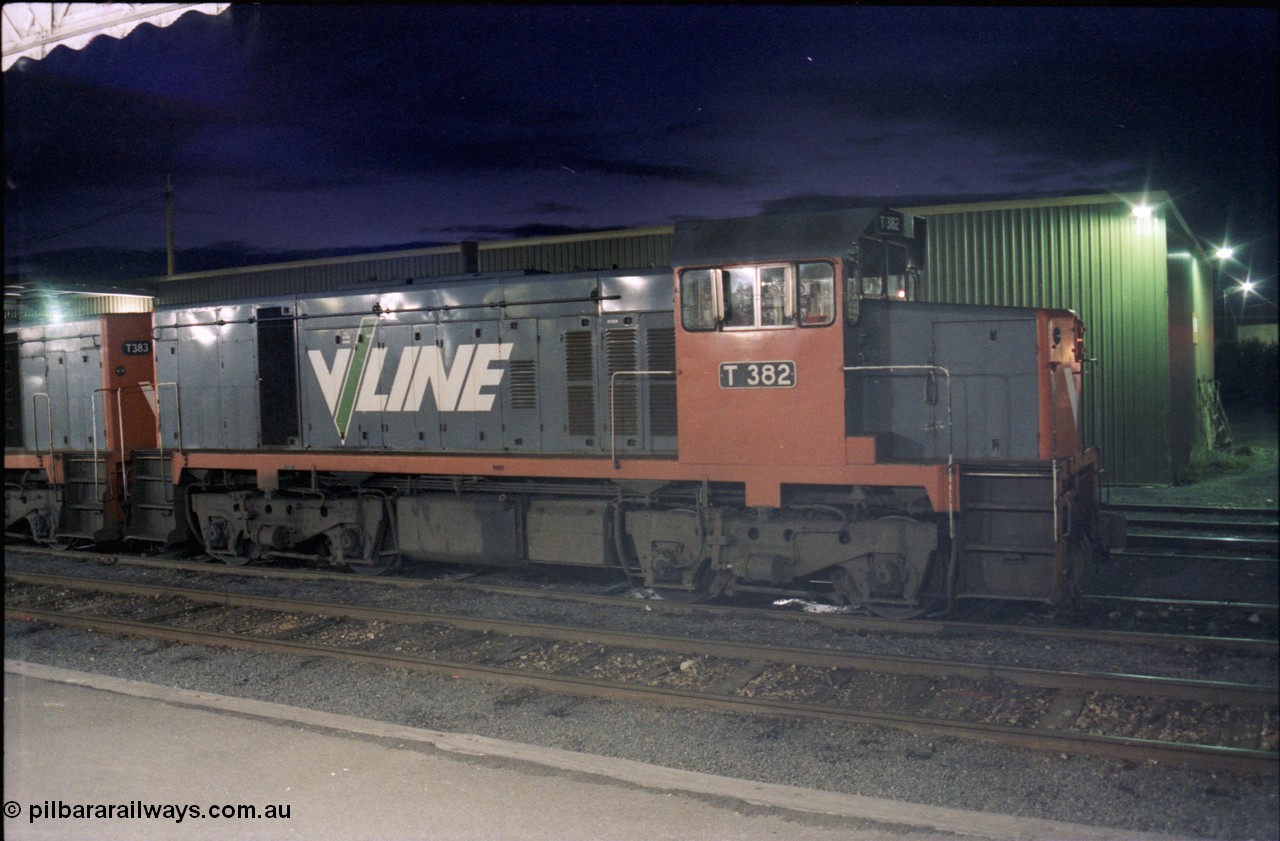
613,433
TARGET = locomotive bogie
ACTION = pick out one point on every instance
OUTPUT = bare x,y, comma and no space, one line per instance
32,512
780,547
241,526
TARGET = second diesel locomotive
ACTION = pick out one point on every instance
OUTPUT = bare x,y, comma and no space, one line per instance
774,410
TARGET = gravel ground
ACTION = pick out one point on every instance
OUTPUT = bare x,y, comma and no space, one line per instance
860,760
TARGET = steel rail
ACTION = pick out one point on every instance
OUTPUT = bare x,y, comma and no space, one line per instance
1147,686
1141,524
1151,556
1189,510
1257,607
868,624
1239,760
1202,542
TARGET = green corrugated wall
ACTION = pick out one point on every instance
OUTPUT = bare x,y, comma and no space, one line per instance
1093,256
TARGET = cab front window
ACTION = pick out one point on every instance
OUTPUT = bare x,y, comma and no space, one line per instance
883,270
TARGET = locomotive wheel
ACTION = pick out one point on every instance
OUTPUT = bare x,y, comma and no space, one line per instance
848,592
241,556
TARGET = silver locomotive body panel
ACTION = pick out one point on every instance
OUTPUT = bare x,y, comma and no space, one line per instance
511,364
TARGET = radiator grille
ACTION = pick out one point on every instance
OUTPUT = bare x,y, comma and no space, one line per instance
662,390
620,350
524,384
579,368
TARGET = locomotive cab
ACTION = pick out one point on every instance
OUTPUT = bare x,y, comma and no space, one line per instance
939,442
761,340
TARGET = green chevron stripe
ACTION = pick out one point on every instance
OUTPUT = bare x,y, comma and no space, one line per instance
355,373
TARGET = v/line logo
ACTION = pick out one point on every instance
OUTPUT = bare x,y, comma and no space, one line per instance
350,384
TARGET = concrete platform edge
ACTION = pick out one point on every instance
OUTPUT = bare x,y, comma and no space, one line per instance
769,795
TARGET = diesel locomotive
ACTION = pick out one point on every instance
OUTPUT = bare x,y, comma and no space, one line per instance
775,412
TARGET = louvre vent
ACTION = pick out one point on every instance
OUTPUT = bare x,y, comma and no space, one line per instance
662,390
524,384
579,374
620,350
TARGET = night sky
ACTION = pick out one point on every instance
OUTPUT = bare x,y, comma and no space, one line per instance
290,129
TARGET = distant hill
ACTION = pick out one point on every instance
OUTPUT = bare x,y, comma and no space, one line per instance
114,264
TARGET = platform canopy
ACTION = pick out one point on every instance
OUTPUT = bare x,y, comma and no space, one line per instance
32,30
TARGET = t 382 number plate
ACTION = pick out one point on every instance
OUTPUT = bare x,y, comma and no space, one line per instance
781,374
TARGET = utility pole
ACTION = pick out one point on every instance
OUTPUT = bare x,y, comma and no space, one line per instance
168,222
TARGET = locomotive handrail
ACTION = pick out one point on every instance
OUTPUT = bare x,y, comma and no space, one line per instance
377,309
930,368
953,564
93,433
1053,497
124,475
951,507
177,408
48,413
613,433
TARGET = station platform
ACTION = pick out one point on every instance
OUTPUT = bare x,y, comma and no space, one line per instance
90,756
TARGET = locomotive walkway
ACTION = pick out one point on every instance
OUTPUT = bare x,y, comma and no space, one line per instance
75,739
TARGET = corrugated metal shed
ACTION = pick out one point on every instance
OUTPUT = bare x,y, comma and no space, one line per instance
635,248
627,249
1141,286
49,305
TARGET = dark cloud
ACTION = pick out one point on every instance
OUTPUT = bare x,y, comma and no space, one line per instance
528,231
305,127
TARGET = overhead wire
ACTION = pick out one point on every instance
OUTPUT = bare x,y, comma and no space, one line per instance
111,214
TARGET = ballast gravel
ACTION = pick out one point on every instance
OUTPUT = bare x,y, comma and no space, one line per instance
871,761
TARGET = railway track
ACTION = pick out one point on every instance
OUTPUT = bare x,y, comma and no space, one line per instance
1213,724
1228,534
1186,556
1257,641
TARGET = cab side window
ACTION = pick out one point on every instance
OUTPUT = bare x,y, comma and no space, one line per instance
757,297
740,298
697,299
816,294
775,288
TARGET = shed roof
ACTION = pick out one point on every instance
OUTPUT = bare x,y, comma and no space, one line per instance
1154,197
